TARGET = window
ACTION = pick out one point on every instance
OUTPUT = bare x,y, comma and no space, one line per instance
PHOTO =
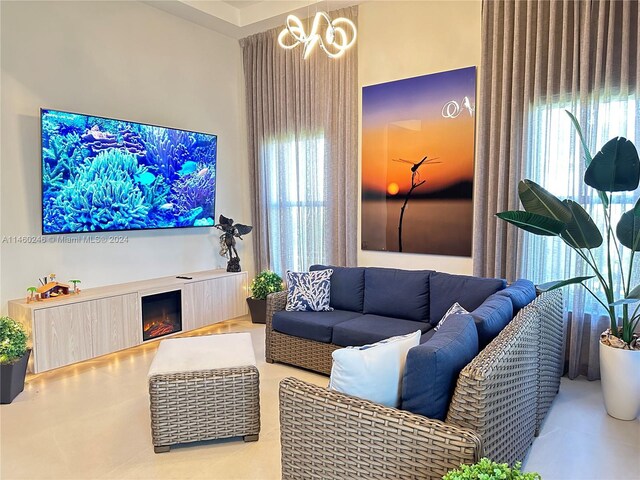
295,174
554,160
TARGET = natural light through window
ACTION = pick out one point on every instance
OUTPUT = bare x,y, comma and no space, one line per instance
556,162
295,173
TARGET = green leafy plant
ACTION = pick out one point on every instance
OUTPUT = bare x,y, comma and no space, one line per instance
266,282
13,340
485,469
615,168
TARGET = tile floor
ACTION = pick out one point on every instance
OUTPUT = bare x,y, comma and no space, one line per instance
91,421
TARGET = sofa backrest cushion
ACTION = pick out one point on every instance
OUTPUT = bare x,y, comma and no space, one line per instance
347,287
521,292
432,368
397,293
491,317
445,289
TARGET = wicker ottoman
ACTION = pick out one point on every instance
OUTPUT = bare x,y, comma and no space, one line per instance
203,388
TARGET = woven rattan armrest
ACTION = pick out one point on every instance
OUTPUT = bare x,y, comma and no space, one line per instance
329,435
275,303
497,392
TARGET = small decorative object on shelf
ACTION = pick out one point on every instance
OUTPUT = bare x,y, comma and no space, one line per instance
33,295
230,232
266,282
53,290
49,288
75,286
485,469
14,356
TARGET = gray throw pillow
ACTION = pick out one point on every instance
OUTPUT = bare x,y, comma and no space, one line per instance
455,308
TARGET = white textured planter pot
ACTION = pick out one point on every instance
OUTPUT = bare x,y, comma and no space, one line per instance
620,374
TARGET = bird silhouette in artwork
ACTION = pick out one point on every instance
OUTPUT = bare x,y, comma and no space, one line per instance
416,181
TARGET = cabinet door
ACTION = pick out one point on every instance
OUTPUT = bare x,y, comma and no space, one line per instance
62,335
199,305
215,300
115,323
231,295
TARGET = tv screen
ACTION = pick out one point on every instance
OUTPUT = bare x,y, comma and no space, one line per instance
101,174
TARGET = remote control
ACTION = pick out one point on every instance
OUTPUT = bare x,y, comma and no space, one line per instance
184,278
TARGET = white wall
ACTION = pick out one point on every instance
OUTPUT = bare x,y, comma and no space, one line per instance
405,39
124,60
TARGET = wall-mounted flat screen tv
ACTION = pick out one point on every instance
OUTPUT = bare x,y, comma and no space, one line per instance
101,174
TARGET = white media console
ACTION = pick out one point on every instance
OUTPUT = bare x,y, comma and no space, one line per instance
103,320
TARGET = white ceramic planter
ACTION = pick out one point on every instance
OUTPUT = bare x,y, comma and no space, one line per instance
620,374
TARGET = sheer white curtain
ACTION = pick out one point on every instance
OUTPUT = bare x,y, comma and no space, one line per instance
555,160
297,212
539,58
303,151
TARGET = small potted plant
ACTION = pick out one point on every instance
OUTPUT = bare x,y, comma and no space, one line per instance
485,469
266,282
14,356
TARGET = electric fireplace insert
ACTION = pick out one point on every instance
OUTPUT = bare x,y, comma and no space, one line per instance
161,314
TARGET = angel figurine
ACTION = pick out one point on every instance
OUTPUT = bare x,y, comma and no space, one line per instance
230,232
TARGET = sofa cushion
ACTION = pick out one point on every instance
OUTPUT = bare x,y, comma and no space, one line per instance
310,325
309,291
347,287
491,317
521,292
366,329
397,293
446,289
432,368
373,372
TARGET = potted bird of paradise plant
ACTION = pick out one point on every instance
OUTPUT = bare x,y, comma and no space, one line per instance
615,168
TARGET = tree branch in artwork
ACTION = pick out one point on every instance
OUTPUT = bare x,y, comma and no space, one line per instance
416,182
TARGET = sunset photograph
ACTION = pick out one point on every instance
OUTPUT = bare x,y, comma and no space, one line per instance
417,164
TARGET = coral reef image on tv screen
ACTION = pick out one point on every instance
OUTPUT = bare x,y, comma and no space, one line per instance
100,174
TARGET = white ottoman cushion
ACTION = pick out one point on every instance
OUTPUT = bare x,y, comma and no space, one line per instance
208,352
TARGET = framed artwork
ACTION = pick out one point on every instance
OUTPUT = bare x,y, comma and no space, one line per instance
417,164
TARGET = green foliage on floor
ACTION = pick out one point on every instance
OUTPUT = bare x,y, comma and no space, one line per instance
485,469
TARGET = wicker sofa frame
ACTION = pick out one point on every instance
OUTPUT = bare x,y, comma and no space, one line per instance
498,406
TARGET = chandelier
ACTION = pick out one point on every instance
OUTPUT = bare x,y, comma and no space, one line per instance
338,36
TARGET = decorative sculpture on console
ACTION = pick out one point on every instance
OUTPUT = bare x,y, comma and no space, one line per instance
230,232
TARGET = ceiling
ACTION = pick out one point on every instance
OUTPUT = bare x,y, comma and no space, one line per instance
241,18
243,3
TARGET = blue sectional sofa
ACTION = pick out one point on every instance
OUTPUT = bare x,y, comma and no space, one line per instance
371,304
480,385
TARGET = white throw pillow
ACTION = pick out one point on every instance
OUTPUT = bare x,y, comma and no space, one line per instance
455,308
373,372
